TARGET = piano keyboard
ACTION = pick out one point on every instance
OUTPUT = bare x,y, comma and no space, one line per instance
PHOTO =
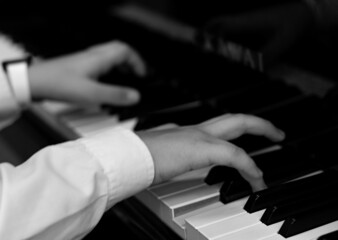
207,203
191,204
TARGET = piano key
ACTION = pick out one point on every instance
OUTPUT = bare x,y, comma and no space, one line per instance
254,97
313,234
190,199
229,226
330,236
82,118
302,110
295,159
220,173
94,127
185,114
180,196
179,223
201,110
316,232
196,224
268,197
320,146
301,125
178,184
315,217
213,229
255,232
217,214
278,166
304,201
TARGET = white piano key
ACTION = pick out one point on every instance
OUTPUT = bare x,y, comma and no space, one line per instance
104,124
178,184
151,196
181,183
180,223
312,234
258,231
316,232
83,119
189,200
274,237
230,225
207,218
97,126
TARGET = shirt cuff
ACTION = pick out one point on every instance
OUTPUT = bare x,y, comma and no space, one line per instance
125,159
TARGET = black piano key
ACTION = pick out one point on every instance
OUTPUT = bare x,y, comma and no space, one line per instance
218,174
305,117
278,166
329,236
254,97
298,117
243,100
304,201
185,114
271,196
292,165
313,218
321,146
234,189
294,160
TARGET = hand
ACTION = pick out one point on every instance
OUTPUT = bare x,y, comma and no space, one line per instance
275,28
73,78
181,149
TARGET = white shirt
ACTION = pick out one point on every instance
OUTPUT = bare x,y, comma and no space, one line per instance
62,191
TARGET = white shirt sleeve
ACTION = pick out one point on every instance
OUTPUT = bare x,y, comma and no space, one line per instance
62,191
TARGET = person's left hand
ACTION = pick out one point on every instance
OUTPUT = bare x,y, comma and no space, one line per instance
73,78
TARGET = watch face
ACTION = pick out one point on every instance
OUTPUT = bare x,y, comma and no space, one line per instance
6,63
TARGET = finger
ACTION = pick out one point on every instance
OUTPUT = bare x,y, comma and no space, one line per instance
117,53
99,93
232,126
224,153
164,127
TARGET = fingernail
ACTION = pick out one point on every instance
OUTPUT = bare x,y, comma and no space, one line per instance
133,96
259,186
282,134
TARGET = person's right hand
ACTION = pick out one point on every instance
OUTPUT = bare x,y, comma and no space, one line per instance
178,150
275,28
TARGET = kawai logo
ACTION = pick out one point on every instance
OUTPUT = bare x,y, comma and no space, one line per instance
232,51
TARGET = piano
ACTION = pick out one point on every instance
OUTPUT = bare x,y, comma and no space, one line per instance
215,203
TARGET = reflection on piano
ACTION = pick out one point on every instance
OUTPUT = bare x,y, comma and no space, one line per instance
188,85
